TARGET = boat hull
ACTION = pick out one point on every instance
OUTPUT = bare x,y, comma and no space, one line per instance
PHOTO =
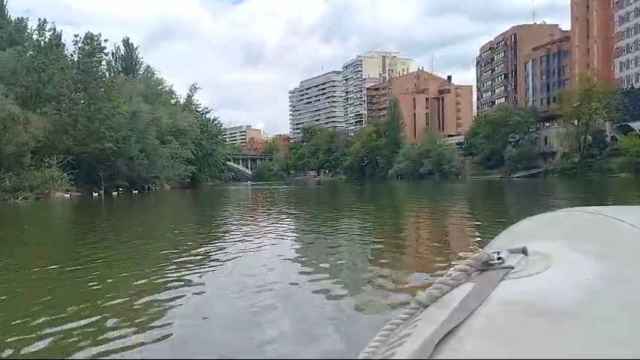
578,295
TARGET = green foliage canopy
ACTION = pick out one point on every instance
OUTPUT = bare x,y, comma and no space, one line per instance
100,117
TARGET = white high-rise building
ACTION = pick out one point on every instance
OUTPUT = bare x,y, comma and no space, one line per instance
627,48
317,102
363,71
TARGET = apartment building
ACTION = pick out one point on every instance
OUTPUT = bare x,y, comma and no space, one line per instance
317,102
242,135
500,63
378,96
627,43
428,103
547,72
364,71
592,39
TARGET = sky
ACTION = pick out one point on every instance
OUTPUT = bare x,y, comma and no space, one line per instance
247,54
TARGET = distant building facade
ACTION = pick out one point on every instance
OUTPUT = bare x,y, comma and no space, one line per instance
627,43
378,96
428,103
364,71
317,102
246,137
592,39
282,141
547,72
500,64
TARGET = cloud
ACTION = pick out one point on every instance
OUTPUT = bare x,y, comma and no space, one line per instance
247,55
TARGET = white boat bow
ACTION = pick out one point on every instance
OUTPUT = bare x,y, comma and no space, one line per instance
576,294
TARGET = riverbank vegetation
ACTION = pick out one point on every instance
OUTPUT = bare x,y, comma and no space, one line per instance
504,138
377,151
94,118
511,139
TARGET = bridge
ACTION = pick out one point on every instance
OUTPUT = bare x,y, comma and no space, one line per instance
247,163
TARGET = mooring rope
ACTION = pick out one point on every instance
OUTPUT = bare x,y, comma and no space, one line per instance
453,278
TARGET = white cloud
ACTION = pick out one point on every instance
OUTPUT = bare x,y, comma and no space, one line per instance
247,55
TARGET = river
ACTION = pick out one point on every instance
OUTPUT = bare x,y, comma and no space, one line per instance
262,270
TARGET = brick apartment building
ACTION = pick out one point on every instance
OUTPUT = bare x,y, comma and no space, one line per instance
428,103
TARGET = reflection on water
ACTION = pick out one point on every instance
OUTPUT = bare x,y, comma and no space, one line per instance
265,270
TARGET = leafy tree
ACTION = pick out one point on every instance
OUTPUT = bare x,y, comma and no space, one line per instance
42,78
431,158
13,32
366,157
518,158
627,105
585,110
630,148
321,150
101,119
392,129
21,176
19,132
126,60
271,147
492,132
209,152
375,147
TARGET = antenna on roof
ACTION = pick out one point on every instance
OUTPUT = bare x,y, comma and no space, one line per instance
533,11
433,64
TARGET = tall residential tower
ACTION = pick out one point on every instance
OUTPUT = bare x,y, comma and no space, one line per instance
592,39
627,43
500,64
317,102
366,70
547,72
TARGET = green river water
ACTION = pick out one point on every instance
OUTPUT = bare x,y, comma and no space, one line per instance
262,270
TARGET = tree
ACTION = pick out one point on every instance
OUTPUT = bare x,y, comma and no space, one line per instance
209,152
101,119
126,60
523,157
271,147
492,132
19,132
375,147
431,158
627,105
630,148
42,79
13,32
584,111
322,150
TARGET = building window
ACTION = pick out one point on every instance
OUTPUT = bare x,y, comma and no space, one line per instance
426,120
415,130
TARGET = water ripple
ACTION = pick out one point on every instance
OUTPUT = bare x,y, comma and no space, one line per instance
239,271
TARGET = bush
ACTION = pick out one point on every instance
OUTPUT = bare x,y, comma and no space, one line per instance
269,171
521,158
630,149
431,158
491,132
374,148
39,181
